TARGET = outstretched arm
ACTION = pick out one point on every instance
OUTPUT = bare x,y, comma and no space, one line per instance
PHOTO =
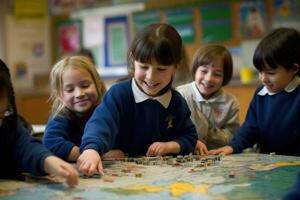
56,166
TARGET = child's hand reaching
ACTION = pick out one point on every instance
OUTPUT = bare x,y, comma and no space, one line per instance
201,148
163,148
89,162
56,166
114,154
223,150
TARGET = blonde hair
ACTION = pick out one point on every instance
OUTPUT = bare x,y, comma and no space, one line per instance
56,80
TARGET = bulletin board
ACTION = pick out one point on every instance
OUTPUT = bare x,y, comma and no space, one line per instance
69,36
183,21
116,40
28,50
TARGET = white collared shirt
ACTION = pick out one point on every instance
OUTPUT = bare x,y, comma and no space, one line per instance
140,96
216,119
289,88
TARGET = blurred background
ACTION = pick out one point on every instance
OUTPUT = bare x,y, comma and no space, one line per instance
35,34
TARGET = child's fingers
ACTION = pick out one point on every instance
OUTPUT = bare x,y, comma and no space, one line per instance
86,168
150,151
100,168
205,151
215,151
70,174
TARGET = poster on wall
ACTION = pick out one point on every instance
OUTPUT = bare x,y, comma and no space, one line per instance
286,13
253,19
28,50
116,40
183,21
69,36
115,47
216,17
142,19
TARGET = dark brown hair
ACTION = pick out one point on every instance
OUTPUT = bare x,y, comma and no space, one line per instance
208,54
158,42
280,47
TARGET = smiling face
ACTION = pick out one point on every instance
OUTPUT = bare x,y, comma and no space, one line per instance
79,91
209,78
152,78
277,79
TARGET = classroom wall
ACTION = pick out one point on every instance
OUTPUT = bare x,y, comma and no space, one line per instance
90,23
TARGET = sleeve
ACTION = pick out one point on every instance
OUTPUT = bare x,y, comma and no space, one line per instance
102,128
29,153
56,137
248,134
186,134
221,136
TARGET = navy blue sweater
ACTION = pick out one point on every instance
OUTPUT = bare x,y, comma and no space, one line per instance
273,123
26,154
120,123
62,134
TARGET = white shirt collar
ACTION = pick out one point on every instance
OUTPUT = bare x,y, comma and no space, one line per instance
140,96
199,98
289,88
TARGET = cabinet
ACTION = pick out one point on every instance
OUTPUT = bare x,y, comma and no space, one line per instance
244,94
35,108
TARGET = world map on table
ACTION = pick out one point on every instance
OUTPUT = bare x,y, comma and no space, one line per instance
239,176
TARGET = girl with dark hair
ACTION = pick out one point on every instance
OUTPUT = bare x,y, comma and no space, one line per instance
19,152
143,115
272,120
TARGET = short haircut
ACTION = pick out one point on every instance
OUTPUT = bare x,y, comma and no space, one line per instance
155,42
280,47
208,54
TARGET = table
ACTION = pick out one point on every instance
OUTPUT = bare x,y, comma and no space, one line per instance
238,176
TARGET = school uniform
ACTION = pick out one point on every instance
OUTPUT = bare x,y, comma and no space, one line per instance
26,154
131,121
272,122
62,133
216,118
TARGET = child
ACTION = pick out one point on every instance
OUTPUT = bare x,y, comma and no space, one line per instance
273,116
19,152
143,115
76,90
214,112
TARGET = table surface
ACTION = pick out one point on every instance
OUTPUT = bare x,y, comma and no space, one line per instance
238,176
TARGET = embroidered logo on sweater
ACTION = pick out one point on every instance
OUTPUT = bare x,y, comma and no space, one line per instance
169,121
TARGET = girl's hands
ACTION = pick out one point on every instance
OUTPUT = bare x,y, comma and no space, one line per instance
56,166
223,150
163,148
89,163
201,148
